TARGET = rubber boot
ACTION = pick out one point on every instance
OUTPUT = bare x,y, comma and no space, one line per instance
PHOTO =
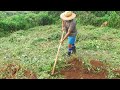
74,49
69,53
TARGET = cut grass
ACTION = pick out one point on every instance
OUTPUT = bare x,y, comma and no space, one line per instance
36,48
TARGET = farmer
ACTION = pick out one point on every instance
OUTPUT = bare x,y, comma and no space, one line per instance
69,26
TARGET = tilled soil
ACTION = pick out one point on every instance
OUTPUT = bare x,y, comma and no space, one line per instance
10,71
77,70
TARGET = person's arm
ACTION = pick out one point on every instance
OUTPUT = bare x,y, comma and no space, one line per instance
69,32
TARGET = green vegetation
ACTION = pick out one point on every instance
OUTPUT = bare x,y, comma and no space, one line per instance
29,40
25,20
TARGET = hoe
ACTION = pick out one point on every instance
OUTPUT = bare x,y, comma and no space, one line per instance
57,55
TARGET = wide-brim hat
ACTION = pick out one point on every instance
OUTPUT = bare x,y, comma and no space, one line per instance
67,15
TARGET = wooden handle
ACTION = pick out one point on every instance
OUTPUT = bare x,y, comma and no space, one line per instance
57,56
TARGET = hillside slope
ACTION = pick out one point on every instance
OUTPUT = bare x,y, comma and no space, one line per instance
33,50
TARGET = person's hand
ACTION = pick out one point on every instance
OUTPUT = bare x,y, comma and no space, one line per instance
61,41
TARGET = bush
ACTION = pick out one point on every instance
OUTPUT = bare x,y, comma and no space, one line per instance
45,19
35,18
99,13
25,21
87,18
96,18
13,23
114,20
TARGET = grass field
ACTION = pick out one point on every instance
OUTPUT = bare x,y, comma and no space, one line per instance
35,49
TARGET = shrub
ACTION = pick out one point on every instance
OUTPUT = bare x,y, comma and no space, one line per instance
25,21
114,20
45,19
31,19
99,13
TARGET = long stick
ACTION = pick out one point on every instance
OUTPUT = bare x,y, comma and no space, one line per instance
57,55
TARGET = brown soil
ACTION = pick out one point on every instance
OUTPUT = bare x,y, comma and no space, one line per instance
10,72
97,64
29,74
77,70
116,71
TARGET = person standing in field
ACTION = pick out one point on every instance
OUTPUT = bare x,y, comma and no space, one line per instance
69,26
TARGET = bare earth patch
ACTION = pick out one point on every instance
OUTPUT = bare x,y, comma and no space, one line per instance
76,70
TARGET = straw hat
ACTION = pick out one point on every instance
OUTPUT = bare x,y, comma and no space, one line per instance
68,15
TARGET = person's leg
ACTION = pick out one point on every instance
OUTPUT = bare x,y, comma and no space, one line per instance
69,49
73,48
71,45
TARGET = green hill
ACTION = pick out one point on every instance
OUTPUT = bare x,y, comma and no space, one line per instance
35,50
